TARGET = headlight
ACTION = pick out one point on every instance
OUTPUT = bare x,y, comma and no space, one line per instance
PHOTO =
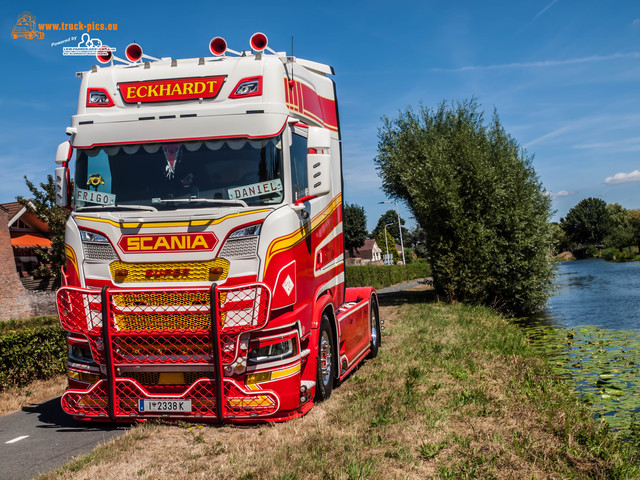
251,230
271,350
80,353
242,243
97,246
87,236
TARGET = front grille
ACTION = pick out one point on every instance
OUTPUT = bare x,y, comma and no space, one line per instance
99,251
161,299
153,378
163,321
169,272
240,247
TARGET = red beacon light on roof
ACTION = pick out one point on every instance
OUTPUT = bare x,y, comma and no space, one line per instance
259,41
218,46
104,54
133,52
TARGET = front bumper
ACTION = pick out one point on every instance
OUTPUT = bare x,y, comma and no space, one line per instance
203,331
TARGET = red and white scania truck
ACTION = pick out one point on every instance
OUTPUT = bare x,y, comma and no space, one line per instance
205,271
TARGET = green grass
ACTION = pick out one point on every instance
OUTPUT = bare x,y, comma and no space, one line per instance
456,392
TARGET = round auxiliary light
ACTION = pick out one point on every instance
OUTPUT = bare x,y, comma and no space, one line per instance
218,46
104,54
133,52
259,41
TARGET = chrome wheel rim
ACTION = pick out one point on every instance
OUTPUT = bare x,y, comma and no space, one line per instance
325,358
374,327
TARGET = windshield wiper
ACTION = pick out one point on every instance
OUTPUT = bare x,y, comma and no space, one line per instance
146,208
158,201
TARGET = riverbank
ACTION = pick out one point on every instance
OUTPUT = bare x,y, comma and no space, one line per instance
456,392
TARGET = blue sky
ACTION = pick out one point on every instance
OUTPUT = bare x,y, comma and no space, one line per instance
563,75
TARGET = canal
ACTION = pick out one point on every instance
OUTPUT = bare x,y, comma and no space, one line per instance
591,332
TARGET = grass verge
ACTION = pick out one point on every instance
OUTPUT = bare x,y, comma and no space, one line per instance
456,392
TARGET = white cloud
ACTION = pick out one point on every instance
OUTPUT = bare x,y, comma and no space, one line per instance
623,178
561,193
636,22
542,63
541,12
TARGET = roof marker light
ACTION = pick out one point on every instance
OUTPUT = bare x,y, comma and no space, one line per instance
133,52
259,41
104,54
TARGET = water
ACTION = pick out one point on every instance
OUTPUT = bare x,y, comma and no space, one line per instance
590,331
596,292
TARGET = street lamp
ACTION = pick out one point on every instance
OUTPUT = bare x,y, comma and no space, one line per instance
400,230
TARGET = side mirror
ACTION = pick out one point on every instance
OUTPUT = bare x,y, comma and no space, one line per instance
319,138
62,186
63,154
319,174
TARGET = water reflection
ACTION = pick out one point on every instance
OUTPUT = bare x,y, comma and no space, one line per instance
594,292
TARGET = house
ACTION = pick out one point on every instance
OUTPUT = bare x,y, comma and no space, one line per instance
28,233
369,253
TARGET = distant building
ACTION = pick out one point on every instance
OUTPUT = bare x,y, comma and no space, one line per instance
369,253
27,233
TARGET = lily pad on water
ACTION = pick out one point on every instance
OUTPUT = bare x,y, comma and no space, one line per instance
600,364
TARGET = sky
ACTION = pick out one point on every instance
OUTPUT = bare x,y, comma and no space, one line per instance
564,77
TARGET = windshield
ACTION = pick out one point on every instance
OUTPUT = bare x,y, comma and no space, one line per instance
181,175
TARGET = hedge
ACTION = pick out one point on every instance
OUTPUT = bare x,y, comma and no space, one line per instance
29,354
380,276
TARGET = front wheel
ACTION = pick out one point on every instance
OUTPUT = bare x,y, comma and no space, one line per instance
325,370
374,324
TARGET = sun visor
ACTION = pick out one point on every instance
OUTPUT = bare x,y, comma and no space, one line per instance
163,128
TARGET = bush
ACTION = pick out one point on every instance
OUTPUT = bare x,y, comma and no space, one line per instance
591,252
380,276
28,354
610,253
474,189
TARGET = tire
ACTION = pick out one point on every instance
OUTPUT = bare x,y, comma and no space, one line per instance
326,363
376,334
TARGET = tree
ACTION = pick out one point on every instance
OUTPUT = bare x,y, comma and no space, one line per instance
389,243
390,218
620,232
634,221
354,224
417,238
588,222
475,192
43,205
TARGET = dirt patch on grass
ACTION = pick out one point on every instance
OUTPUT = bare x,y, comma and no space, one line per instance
39,391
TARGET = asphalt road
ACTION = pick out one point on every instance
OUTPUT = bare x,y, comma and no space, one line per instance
41,438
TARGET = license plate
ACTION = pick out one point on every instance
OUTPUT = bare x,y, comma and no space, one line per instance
182,406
